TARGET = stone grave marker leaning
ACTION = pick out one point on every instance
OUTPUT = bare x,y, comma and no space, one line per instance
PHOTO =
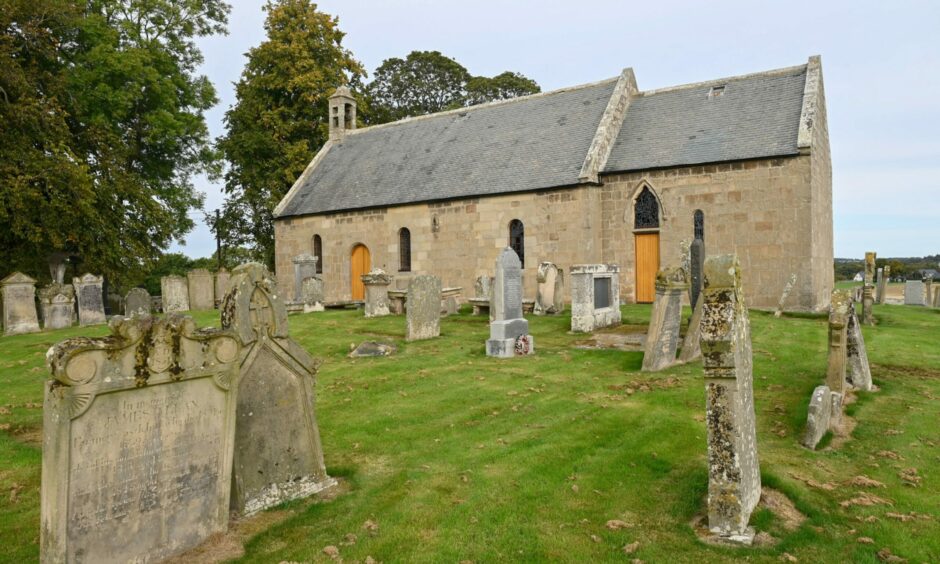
662,337
868,288
138,430
840,305
509,331
858,372
734,485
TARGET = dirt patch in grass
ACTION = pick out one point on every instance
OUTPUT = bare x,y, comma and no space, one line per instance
906,371
842,433
31,436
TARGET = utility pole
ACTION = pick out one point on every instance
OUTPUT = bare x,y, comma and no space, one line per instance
218,240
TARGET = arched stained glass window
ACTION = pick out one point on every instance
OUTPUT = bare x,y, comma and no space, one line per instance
318,252
404,250
517,239
699,224
646,210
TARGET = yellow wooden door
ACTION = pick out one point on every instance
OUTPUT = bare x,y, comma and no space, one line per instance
361,264
647,264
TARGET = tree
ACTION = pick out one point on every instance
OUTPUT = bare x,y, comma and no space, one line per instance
425,82
279,120
106,128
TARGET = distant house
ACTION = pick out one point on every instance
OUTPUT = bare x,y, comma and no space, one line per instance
928,273
859,277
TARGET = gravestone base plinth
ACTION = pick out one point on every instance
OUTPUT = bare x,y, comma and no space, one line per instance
745,537
508,348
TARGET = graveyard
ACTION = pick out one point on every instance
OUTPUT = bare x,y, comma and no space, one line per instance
570,454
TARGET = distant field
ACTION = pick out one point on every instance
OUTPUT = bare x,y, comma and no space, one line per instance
455,456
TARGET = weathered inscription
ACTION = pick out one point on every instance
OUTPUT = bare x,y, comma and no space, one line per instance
512,292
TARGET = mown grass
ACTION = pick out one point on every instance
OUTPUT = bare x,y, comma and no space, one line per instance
460,457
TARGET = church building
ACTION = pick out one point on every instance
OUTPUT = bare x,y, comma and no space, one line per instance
598,173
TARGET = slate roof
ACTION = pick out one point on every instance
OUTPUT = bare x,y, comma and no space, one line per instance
755,116
541,141
535,142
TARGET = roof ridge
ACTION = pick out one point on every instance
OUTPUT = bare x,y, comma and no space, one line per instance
465,109
772,72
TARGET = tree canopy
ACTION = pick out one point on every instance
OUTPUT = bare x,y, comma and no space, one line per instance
425,82
279,120
102,129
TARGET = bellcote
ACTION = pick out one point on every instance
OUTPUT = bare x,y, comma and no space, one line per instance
342,113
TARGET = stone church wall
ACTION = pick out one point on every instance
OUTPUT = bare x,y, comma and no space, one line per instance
771,212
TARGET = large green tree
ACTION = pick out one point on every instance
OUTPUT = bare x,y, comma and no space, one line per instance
103,128
425,82
279,120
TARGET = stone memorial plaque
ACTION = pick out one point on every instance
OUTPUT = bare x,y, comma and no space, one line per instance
138,429
174,292
278,455
585,315
137,302
601,293
201,289
19,304
88,291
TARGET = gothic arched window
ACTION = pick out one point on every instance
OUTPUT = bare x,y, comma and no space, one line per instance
646,210
517,239
404,250
318,252
699,224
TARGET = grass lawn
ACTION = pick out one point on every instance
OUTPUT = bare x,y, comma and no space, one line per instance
455,456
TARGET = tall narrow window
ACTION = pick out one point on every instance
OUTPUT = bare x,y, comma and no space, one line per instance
318,252
699,224
646,211
404,250
517,239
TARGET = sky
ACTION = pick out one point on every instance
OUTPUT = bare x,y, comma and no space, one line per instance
881,68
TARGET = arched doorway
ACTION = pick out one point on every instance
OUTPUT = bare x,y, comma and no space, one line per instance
360,263
646,240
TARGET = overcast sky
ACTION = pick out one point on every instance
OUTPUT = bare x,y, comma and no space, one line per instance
881,64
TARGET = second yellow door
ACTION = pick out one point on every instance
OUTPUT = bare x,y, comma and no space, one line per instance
647,264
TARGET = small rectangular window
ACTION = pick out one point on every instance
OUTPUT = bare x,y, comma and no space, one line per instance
716,91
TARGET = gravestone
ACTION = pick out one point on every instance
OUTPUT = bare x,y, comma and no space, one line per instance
201,288
19,304
928,291
936,297
174,292
483,286
550,293
58,262
305,266
222,277
311,292
138,431
914,293
90,299
787,288
696,267
423,315
662,337
278,455
509,331
691,346
595,296
58,306
817,417
879,286
886,279
376,285
734,485
868,289
840,308
137,302
858,372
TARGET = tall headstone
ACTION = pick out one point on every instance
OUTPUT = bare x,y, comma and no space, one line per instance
509,331
662,337
90,299
376,285
696,267
19,304
278,454
936,297
305,266
423,315
138,431
222,278
880,286
311,293
734,485
868,290
787,288
914,293
174,292
58,306
840,308
137,302
858,372
595,296
550,293
691,345
201,288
